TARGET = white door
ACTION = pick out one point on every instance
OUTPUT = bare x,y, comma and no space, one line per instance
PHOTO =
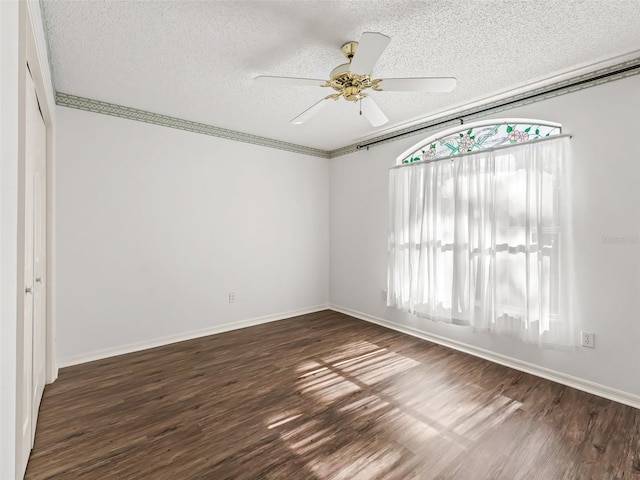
39,270
32,344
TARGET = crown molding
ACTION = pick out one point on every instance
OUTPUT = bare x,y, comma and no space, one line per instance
96,106
533,94
483,108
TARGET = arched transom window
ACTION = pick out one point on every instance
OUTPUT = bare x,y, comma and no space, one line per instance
479,136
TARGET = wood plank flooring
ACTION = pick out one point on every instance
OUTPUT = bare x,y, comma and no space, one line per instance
323,396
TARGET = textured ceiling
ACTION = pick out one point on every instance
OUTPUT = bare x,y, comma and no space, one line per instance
196,60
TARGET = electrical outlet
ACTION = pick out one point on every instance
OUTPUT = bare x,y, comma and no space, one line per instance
232,297
588,339
384,295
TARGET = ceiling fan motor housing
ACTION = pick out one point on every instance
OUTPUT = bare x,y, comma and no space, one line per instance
350,84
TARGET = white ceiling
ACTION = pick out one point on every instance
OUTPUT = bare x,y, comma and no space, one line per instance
196,60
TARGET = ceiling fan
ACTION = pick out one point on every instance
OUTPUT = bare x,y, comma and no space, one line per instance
351,79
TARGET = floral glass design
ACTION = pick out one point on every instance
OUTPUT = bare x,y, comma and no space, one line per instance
479,138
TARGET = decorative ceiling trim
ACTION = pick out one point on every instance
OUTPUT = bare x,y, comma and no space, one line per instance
580,82
96,106
45,28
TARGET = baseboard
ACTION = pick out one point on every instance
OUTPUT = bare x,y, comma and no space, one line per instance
159,342
553,375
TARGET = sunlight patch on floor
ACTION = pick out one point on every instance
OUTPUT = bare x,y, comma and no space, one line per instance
350,350
374,370
343,376
306,437
278,423
370,403
369,388
488,416
357,460
359,357
328,387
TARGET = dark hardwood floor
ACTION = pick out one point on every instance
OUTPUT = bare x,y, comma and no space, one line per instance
324,396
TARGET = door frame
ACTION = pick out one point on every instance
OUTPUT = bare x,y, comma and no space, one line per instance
32,50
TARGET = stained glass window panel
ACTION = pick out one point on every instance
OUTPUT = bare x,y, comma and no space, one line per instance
480,137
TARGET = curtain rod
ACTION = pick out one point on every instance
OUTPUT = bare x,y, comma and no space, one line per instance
493,149
461,118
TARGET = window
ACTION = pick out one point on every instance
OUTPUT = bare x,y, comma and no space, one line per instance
479,136
482,239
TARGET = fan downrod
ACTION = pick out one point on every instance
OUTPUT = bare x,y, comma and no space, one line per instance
349,50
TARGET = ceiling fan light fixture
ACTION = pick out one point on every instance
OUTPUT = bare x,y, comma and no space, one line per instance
352,93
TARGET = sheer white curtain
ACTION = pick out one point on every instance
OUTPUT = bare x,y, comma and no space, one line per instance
484,240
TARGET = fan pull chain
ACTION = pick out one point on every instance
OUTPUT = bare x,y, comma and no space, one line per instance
360,105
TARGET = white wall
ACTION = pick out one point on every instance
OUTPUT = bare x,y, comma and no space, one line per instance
606,202
156,226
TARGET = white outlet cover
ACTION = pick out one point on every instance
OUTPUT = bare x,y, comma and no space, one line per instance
588,339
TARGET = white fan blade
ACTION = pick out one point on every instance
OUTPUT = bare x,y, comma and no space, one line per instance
370,47
372,112
426,84
308,82
311,111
